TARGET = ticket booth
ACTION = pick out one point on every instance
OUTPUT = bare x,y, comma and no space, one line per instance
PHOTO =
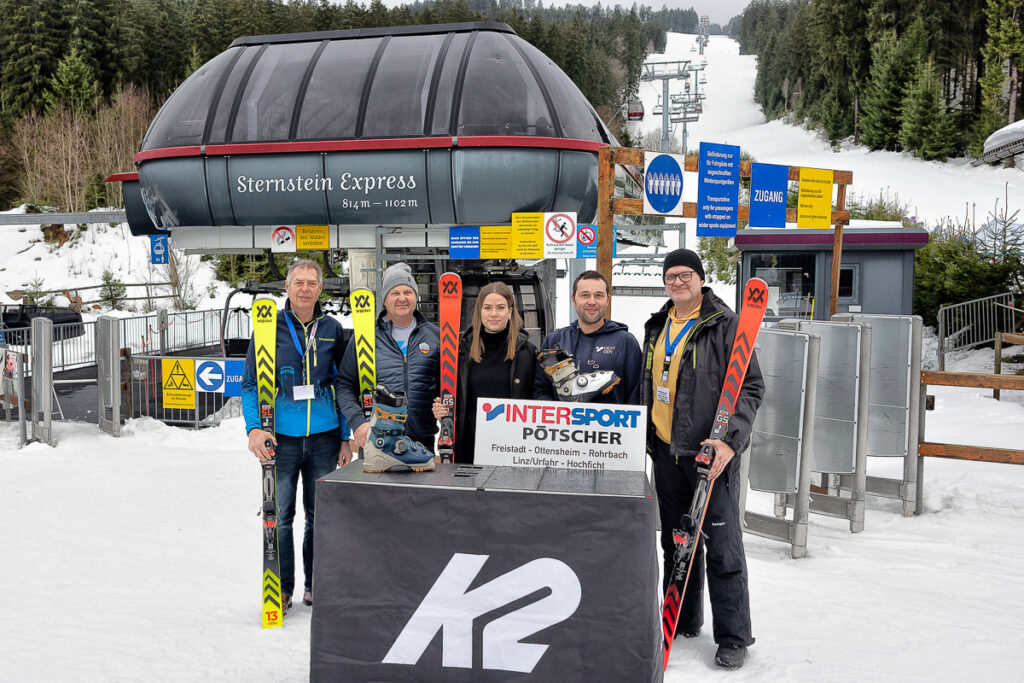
876,274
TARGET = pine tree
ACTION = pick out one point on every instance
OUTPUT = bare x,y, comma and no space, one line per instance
73,86
925,122
33,43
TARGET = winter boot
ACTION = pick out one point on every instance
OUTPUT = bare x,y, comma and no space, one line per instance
387,448
730,656
570,385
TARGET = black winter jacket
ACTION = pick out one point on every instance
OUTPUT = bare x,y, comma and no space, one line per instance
521,369
699,384
612,347
416,374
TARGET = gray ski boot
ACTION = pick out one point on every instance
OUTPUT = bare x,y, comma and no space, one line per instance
570,385
387,447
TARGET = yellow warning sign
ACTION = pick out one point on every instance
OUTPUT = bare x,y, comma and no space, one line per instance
814,202
311,237
528,235
178,388
496,242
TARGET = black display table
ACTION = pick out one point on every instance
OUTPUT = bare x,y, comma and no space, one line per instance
485,574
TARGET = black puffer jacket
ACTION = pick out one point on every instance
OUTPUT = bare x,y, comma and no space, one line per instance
416,374
701,374
521,371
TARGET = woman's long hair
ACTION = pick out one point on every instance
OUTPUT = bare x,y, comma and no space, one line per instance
515,322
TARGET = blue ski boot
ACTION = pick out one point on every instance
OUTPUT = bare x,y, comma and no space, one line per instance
387,447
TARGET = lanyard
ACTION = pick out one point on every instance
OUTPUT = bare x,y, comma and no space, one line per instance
671,348
298,346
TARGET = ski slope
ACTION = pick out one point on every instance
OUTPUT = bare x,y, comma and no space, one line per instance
136,559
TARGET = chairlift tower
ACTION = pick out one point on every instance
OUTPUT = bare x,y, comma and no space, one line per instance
679,108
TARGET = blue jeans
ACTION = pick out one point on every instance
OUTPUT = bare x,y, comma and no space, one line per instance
313,456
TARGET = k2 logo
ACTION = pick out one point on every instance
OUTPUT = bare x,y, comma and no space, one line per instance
450,287
451,607
263,311
362,301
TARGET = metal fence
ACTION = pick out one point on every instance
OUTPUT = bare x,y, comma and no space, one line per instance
74,344
972,323
146,396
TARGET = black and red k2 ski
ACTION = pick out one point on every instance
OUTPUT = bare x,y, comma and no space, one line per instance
450,299
755,300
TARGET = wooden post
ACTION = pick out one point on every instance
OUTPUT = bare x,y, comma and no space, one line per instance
997,366
837,252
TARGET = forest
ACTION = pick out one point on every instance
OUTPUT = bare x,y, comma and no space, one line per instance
80,80
932,77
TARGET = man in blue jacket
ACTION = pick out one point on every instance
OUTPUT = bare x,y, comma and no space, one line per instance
311,434
408,361
596,343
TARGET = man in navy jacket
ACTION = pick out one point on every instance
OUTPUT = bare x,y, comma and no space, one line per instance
596,343
408,360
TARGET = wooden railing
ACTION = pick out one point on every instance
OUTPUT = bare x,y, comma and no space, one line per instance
981,381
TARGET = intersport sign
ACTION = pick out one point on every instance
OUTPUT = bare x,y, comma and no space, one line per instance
581,436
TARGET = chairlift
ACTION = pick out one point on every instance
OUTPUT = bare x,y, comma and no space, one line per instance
635,110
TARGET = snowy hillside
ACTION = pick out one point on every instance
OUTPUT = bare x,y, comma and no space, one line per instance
136,559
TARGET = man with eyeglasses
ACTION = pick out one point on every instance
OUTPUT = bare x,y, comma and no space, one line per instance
596,343
687,346
311,436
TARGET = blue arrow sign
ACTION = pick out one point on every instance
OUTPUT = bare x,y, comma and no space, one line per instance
210,376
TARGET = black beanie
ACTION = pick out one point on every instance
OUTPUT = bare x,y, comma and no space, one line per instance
683,257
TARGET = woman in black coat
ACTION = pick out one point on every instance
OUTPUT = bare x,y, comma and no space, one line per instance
496,360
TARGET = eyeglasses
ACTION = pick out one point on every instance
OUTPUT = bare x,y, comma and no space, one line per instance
682,277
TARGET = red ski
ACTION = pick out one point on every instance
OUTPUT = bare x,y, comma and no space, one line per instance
755,300
450,298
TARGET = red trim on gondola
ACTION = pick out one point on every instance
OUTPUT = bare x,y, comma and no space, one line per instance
370,145
121,177
169,152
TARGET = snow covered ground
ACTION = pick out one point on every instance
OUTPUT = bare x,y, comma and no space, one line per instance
135,559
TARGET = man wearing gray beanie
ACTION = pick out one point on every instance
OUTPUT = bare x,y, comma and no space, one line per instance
687,345
408,355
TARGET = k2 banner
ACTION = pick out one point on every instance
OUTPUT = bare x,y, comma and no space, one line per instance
507,574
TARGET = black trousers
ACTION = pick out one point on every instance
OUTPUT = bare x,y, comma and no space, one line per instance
721,538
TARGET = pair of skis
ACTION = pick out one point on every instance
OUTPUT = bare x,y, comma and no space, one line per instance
450,309
264,326
755,300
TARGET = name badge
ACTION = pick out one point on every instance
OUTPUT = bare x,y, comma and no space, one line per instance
304,392
663,395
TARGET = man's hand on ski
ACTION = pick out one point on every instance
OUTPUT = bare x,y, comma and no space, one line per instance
723,454
360,433
345,454
257,443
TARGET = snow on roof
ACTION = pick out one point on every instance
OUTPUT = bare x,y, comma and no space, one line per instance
1011,133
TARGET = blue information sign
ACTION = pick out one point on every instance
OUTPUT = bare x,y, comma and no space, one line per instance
233,377
586,241
718,190
768,186
210,376
663,186
158,249
464,242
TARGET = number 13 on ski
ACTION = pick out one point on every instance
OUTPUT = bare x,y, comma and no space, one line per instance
686,535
